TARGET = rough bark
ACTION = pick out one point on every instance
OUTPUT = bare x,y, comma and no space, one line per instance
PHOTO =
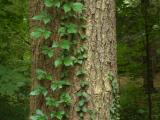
40,61
37,60
101,54
101,32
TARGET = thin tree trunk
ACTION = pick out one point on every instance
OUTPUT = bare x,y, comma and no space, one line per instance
148,82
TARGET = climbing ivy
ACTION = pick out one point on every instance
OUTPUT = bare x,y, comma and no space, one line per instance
115,105
71,32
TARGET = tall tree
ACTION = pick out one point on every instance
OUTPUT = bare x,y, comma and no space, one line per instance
100,65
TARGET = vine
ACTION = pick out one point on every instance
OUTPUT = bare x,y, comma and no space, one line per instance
115,105
72,53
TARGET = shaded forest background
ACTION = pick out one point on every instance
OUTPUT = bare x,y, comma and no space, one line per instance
15,61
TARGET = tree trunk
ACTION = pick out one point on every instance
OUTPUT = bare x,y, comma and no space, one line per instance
101,60
40,61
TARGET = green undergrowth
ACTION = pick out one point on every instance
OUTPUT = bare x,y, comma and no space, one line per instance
134,104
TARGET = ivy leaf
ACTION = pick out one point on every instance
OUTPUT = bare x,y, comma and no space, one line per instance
48,3
84,109
83,94
51,3
78,109
39,115
77,7
56,85
37,17
46,20
81,103
54,45
39,112
49,77
81,115
39,90
43,16
86,95
62,31
59,115
66,98
37,33
59,84
40,74
57,3
69,61
83,84
80,72
67,7
52,102
58,62
83,37
65,44
72,28
47,34
47,51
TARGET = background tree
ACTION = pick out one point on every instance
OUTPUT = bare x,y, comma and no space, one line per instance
14,60
132,44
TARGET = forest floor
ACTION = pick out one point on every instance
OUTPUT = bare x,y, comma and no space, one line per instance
134,105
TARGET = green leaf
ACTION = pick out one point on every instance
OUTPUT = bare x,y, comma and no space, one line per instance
39,115
69,61
62,31
47,51
49,77
79,94
47,34
67,7
56,86
54,45
81,103
59,115
40,74
78,109
37,17
65,44
52,102
48,3
43,16
64,82
83,84
86,95
52,3
39,112
84,109
81,72
72,28
37,33
83,37
57,3
59,84
81,115
58,62
66,98
77,7
39,90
